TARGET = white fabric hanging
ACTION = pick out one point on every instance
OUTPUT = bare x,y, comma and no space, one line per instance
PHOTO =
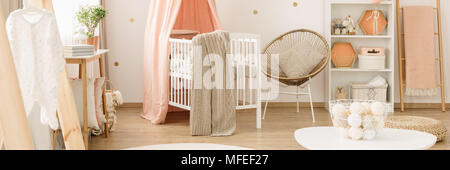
38,56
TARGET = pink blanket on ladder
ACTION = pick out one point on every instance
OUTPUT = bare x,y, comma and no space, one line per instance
420,51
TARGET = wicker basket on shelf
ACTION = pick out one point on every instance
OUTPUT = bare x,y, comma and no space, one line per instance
367,92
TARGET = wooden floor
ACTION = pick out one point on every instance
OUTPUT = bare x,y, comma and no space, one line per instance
277,132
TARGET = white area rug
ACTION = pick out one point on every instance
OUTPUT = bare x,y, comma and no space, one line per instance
189,146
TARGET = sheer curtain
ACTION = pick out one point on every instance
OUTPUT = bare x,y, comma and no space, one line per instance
103,42
65,11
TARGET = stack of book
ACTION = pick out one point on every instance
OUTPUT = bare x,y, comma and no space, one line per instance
78,50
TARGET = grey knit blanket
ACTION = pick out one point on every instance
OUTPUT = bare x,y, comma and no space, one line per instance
213,111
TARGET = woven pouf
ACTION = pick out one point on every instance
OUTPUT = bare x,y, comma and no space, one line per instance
421,124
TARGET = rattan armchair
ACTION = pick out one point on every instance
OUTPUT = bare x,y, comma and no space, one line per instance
290,40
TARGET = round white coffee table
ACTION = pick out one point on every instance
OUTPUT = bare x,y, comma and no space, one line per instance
328,138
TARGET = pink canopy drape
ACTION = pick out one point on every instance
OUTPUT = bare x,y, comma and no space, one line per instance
165,15
198,15
161,19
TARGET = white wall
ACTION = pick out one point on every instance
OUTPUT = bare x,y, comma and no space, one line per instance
126,41
274,18
125,38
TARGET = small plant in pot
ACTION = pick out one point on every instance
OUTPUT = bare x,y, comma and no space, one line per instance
90,18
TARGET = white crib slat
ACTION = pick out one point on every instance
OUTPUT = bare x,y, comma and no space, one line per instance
176,72
189,73
181,73
237,56
175,65
171,70
183,99
250,72
240,69
244,61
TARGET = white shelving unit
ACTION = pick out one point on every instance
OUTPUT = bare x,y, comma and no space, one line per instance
344,77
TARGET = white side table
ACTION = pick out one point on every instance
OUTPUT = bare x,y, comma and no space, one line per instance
328,138
82,61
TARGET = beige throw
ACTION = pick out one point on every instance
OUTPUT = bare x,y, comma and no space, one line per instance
420,51
213,111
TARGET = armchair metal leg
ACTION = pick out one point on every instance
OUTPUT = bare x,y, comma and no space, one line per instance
298,94
265,107
311,102
298,100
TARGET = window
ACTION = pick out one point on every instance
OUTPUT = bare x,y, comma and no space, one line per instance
65,11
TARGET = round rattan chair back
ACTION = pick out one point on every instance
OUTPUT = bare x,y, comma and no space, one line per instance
290,40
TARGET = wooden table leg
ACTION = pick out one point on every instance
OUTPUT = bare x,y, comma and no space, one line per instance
85,103
102,74
54,133
79,71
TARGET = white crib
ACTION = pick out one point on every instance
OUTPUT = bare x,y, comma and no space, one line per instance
245,52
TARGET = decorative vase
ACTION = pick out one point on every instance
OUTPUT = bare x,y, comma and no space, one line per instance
343,55
92,41
373,22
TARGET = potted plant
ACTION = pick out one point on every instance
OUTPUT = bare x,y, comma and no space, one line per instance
90,18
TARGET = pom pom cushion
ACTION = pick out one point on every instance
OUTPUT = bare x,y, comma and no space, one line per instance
99,86
299,61
94,100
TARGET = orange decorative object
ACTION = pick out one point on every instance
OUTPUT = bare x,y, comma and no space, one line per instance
343,55
373,22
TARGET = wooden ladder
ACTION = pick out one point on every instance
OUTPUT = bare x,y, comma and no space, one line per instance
14,128
401,58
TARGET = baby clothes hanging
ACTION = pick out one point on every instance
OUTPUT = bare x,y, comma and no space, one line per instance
38,56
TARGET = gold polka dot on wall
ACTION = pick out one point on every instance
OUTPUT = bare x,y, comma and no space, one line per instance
116,64
131,20
255,12
295,4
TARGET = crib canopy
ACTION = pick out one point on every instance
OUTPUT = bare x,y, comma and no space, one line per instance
198,15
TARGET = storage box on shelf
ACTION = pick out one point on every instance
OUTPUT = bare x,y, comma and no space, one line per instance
368,92
371,62
372,58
